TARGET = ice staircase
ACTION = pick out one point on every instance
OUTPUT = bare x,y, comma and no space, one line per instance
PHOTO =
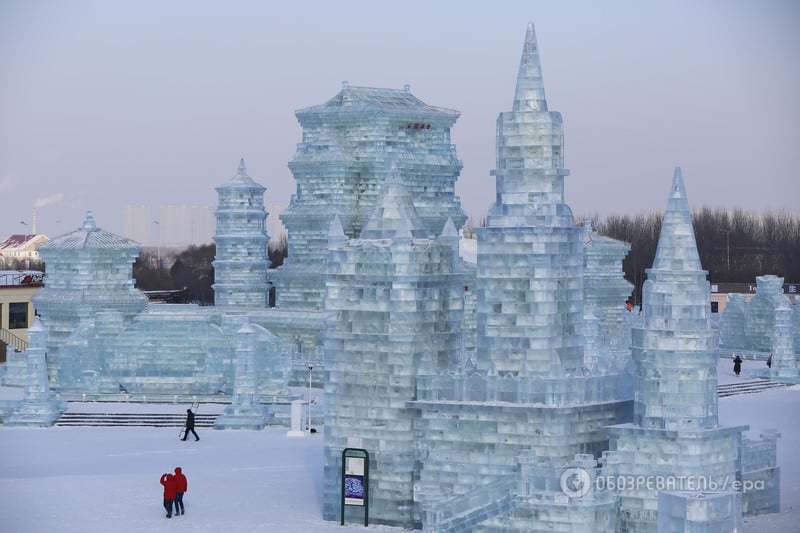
465,511
134,419
747,387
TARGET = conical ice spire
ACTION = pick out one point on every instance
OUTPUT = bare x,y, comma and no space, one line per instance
242,170
336,231
449,230
394,213
529,93
677,248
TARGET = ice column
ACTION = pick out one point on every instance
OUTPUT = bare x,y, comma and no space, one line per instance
530,257
245,412
241,262
39,406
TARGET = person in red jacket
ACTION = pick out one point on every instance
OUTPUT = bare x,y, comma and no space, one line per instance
170,486
181,486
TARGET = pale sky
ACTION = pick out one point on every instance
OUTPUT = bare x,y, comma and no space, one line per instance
104,104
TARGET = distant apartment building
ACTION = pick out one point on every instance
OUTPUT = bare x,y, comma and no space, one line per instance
182,225
136,223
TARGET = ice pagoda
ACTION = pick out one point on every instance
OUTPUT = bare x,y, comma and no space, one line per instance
340,164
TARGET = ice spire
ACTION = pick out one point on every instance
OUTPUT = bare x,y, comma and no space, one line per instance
394,211
336,232
242,170
529,93
677,249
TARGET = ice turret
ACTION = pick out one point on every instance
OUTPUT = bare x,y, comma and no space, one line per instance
530,254
675,349
675,433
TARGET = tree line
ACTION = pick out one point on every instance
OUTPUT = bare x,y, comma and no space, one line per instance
734,245
191,271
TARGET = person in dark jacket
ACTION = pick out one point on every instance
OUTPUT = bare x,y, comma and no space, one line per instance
168,480
181,486
769,361
737,365
190,425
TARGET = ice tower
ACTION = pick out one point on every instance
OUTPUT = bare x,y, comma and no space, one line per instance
394,301
340,165
675,433
240,264
530,262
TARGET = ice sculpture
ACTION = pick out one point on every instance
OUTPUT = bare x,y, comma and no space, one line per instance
245,411
241,263
88,270
747,328
394,301
111,342
675,433
39,406
340,165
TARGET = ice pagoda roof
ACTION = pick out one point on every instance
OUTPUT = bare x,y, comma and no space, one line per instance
89,236
241,180
377,100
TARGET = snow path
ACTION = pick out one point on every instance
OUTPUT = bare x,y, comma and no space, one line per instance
93,480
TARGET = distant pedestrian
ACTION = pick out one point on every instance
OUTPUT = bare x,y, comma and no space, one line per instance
769,361
168,480
737,365
190,426
181,486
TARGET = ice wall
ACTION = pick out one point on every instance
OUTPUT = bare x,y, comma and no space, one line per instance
394,303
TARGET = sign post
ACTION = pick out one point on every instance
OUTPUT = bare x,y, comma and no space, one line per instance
355,480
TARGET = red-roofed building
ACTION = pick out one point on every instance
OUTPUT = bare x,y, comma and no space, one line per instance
22,246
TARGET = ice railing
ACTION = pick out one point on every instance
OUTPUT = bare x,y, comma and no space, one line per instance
760,454
560,391
461,512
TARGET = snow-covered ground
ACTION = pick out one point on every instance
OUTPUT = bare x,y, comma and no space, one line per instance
92,480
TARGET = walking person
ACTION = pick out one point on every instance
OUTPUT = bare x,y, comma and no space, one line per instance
190,426
181,486
737,365
168,481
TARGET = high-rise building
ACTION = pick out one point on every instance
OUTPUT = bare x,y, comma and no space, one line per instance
136,222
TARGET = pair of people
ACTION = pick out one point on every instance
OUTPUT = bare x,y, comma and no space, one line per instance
175,485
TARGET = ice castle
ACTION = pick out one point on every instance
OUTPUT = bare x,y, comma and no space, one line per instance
493,393
514,435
